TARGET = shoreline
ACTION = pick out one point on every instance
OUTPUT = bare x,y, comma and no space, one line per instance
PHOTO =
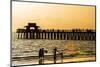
49,60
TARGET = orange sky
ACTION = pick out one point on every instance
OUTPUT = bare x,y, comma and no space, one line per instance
52,16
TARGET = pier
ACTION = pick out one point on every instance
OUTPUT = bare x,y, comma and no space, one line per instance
32,31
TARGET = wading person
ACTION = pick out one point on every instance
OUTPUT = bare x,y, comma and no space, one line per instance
41,55
55,54
61,57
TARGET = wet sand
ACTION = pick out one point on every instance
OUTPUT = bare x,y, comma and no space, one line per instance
50,60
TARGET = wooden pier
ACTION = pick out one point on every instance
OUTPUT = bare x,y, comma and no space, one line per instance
32,31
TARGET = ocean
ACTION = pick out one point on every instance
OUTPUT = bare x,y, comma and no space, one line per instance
22,48
30,47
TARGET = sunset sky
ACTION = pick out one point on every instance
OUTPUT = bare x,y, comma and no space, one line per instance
52,16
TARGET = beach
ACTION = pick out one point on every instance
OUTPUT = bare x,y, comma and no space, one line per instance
26,51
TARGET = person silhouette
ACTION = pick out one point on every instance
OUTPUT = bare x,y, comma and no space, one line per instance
55,54
61,57
41,55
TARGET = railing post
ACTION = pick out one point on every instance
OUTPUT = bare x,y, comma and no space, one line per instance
18,35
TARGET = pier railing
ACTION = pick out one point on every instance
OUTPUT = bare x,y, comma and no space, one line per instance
55,34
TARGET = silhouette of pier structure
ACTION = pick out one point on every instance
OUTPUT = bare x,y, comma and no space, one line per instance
32,31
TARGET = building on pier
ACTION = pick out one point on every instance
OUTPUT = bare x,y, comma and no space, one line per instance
32,31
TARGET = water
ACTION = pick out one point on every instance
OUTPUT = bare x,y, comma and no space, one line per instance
30,47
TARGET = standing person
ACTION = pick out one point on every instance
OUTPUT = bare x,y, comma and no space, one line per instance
55,55
40,56
43,51
61,57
